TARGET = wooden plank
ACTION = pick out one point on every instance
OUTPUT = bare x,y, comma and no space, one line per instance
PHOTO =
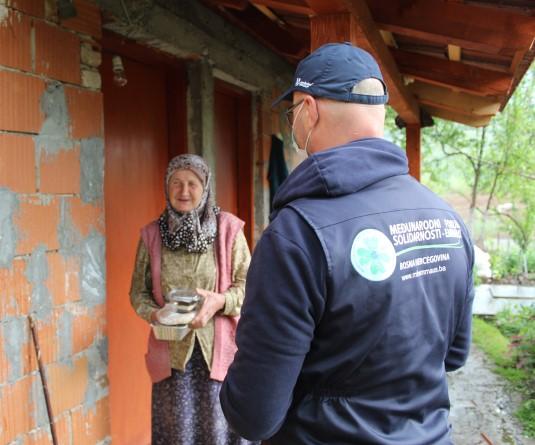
473,121
388,38
457,102
516,60
293,6
413,141
454,53
269,14
357,27
456,75
473,27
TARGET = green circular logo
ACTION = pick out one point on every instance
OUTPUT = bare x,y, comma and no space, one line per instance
373,256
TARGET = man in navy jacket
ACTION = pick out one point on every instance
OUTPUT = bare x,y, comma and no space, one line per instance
359,295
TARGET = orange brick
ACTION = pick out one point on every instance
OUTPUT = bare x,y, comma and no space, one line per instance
86,216
87,325
20,96
37,221
60,172
57,53
27,356
30,7
15,290
47,338
39,437
87,20
4,365
16,406
91,426
67,384
15,38
86,112
17,163
63,280
63,429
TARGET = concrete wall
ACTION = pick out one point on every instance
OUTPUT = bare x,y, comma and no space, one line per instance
52,259
213,49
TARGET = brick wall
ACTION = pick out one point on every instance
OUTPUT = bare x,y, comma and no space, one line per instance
52,245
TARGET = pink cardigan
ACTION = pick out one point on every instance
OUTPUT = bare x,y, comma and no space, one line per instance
158,359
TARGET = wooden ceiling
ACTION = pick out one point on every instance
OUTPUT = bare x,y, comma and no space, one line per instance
455,59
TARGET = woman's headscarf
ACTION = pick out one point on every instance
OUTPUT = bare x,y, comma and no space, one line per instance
197,229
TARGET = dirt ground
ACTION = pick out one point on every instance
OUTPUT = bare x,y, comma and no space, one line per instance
482,406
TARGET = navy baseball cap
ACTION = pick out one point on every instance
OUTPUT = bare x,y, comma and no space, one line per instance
332,70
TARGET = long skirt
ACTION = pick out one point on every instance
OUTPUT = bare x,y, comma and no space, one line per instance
186,408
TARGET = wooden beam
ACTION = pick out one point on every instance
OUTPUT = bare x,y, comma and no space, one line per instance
456,75
473,121
326,6
413,141
293,6
276,37
454,53
494,31
457,102
357,27
400,97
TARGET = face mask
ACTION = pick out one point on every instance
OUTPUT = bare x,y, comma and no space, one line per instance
294,143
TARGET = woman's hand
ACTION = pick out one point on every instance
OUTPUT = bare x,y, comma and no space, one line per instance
212,303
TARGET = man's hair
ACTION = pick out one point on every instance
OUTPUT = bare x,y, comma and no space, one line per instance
369,87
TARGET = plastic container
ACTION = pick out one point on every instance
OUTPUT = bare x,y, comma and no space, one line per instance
180,309
170,333
185,300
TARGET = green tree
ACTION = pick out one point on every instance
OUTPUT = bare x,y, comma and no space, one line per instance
515,133
489,166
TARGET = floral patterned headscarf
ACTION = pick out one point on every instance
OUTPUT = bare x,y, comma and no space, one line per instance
197,229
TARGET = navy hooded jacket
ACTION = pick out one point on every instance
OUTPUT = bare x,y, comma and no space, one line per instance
358,300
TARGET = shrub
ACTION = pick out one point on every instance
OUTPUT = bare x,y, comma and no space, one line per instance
505,264
519,326
508,264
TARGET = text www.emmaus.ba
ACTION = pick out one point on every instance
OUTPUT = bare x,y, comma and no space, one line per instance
419,273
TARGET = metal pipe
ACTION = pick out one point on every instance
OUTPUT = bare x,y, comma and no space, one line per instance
43,381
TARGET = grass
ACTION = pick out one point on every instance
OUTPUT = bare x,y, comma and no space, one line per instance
492,342
498,348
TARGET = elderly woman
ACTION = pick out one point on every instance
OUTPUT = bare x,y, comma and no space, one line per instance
193,245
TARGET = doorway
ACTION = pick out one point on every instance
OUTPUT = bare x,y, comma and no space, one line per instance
145,125
234,152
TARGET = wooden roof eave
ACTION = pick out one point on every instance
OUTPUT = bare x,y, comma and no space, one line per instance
501,32
330,14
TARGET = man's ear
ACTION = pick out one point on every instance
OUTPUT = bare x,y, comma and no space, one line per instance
312,110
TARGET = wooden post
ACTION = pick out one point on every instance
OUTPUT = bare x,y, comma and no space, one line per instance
413,149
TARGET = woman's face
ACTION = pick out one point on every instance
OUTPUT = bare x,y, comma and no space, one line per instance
185,190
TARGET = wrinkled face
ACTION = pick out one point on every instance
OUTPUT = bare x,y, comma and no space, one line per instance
185,190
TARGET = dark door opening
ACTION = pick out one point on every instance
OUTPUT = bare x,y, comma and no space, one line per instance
234,152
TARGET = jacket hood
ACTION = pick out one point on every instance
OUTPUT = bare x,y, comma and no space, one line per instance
342,170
